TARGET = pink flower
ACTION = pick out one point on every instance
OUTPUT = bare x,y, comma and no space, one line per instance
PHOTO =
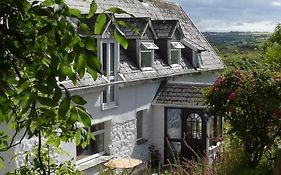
219,81
277,113
231,96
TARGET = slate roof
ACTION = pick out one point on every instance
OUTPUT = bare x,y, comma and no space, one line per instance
164,28
183,95
139,23
156,10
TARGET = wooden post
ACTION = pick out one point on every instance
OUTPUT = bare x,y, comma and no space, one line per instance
277,162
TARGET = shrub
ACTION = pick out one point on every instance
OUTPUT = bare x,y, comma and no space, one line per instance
251,102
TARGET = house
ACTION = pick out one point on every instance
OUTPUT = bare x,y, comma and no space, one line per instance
149,93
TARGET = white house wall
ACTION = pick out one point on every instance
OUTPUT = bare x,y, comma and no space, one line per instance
121,139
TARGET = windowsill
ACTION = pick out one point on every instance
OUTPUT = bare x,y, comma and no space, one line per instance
147,69
175,66
93,162
107,106
141,141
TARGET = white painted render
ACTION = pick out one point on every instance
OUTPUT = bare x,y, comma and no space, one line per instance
120,136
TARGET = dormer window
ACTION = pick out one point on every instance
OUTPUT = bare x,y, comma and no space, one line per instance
109,54
197,60
175,52
109,58
147,54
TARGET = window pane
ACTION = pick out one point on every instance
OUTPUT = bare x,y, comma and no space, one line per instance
174,151
97,127
175,56
104,58
149,45
112,56
199,59
174,123
212,130
112,93
194,126
139,124
146,59
177,45
104,96
95,146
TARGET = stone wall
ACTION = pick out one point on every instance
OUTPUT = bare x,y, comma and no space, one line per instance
123,136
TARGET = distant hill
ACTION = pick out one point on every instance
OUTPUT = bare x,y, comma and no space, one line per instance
237,49
235,38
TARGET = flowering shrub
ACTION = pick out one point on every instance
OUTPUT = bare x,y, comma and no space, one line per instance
251,102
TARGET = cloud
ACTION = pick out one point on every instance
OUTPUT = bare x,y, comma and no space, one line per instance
276,3
225,26
245,12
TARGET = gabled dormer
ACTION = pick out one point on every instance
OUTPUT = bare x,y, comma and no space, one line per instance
108,51
169,37
141,42
193,53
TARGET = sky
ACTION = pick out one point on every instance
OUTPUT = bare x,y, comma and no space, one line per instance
233,15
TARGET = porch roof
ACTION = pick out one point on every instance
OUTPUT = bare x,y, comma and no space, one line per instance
181,95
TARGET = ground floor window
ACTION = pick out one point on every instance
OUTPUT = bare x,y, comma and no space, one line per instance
215,130
139,125
96,147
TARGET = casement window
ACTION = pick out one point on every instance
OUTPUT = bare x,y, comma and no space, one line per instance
197,60
109,95
175,52
96,147
147,54
110,58
139,124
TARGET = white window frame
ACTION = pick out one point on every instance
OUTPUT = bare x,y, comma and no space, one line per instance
109,104
96,155
197,60
147,47
109,78
175,46
116,57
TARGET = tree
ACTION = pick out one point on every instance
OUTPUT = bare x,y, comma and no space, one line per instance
40,47
251,102
272,49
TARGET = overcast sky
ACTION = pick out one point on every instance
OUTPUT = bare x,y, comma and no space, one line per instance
233,15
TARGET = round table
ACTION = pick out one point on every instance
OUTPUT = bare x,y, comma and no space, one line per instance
123,163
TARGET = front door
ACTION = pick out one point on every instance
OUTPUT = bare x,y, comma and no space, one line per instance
185,134
194,134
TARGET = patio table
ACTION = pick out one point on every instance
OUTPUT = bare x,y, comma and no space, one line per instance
127,164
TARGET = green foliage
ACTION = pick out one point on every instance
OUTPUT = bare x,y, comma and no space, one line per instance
272,49
251,102
33,164
40,46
